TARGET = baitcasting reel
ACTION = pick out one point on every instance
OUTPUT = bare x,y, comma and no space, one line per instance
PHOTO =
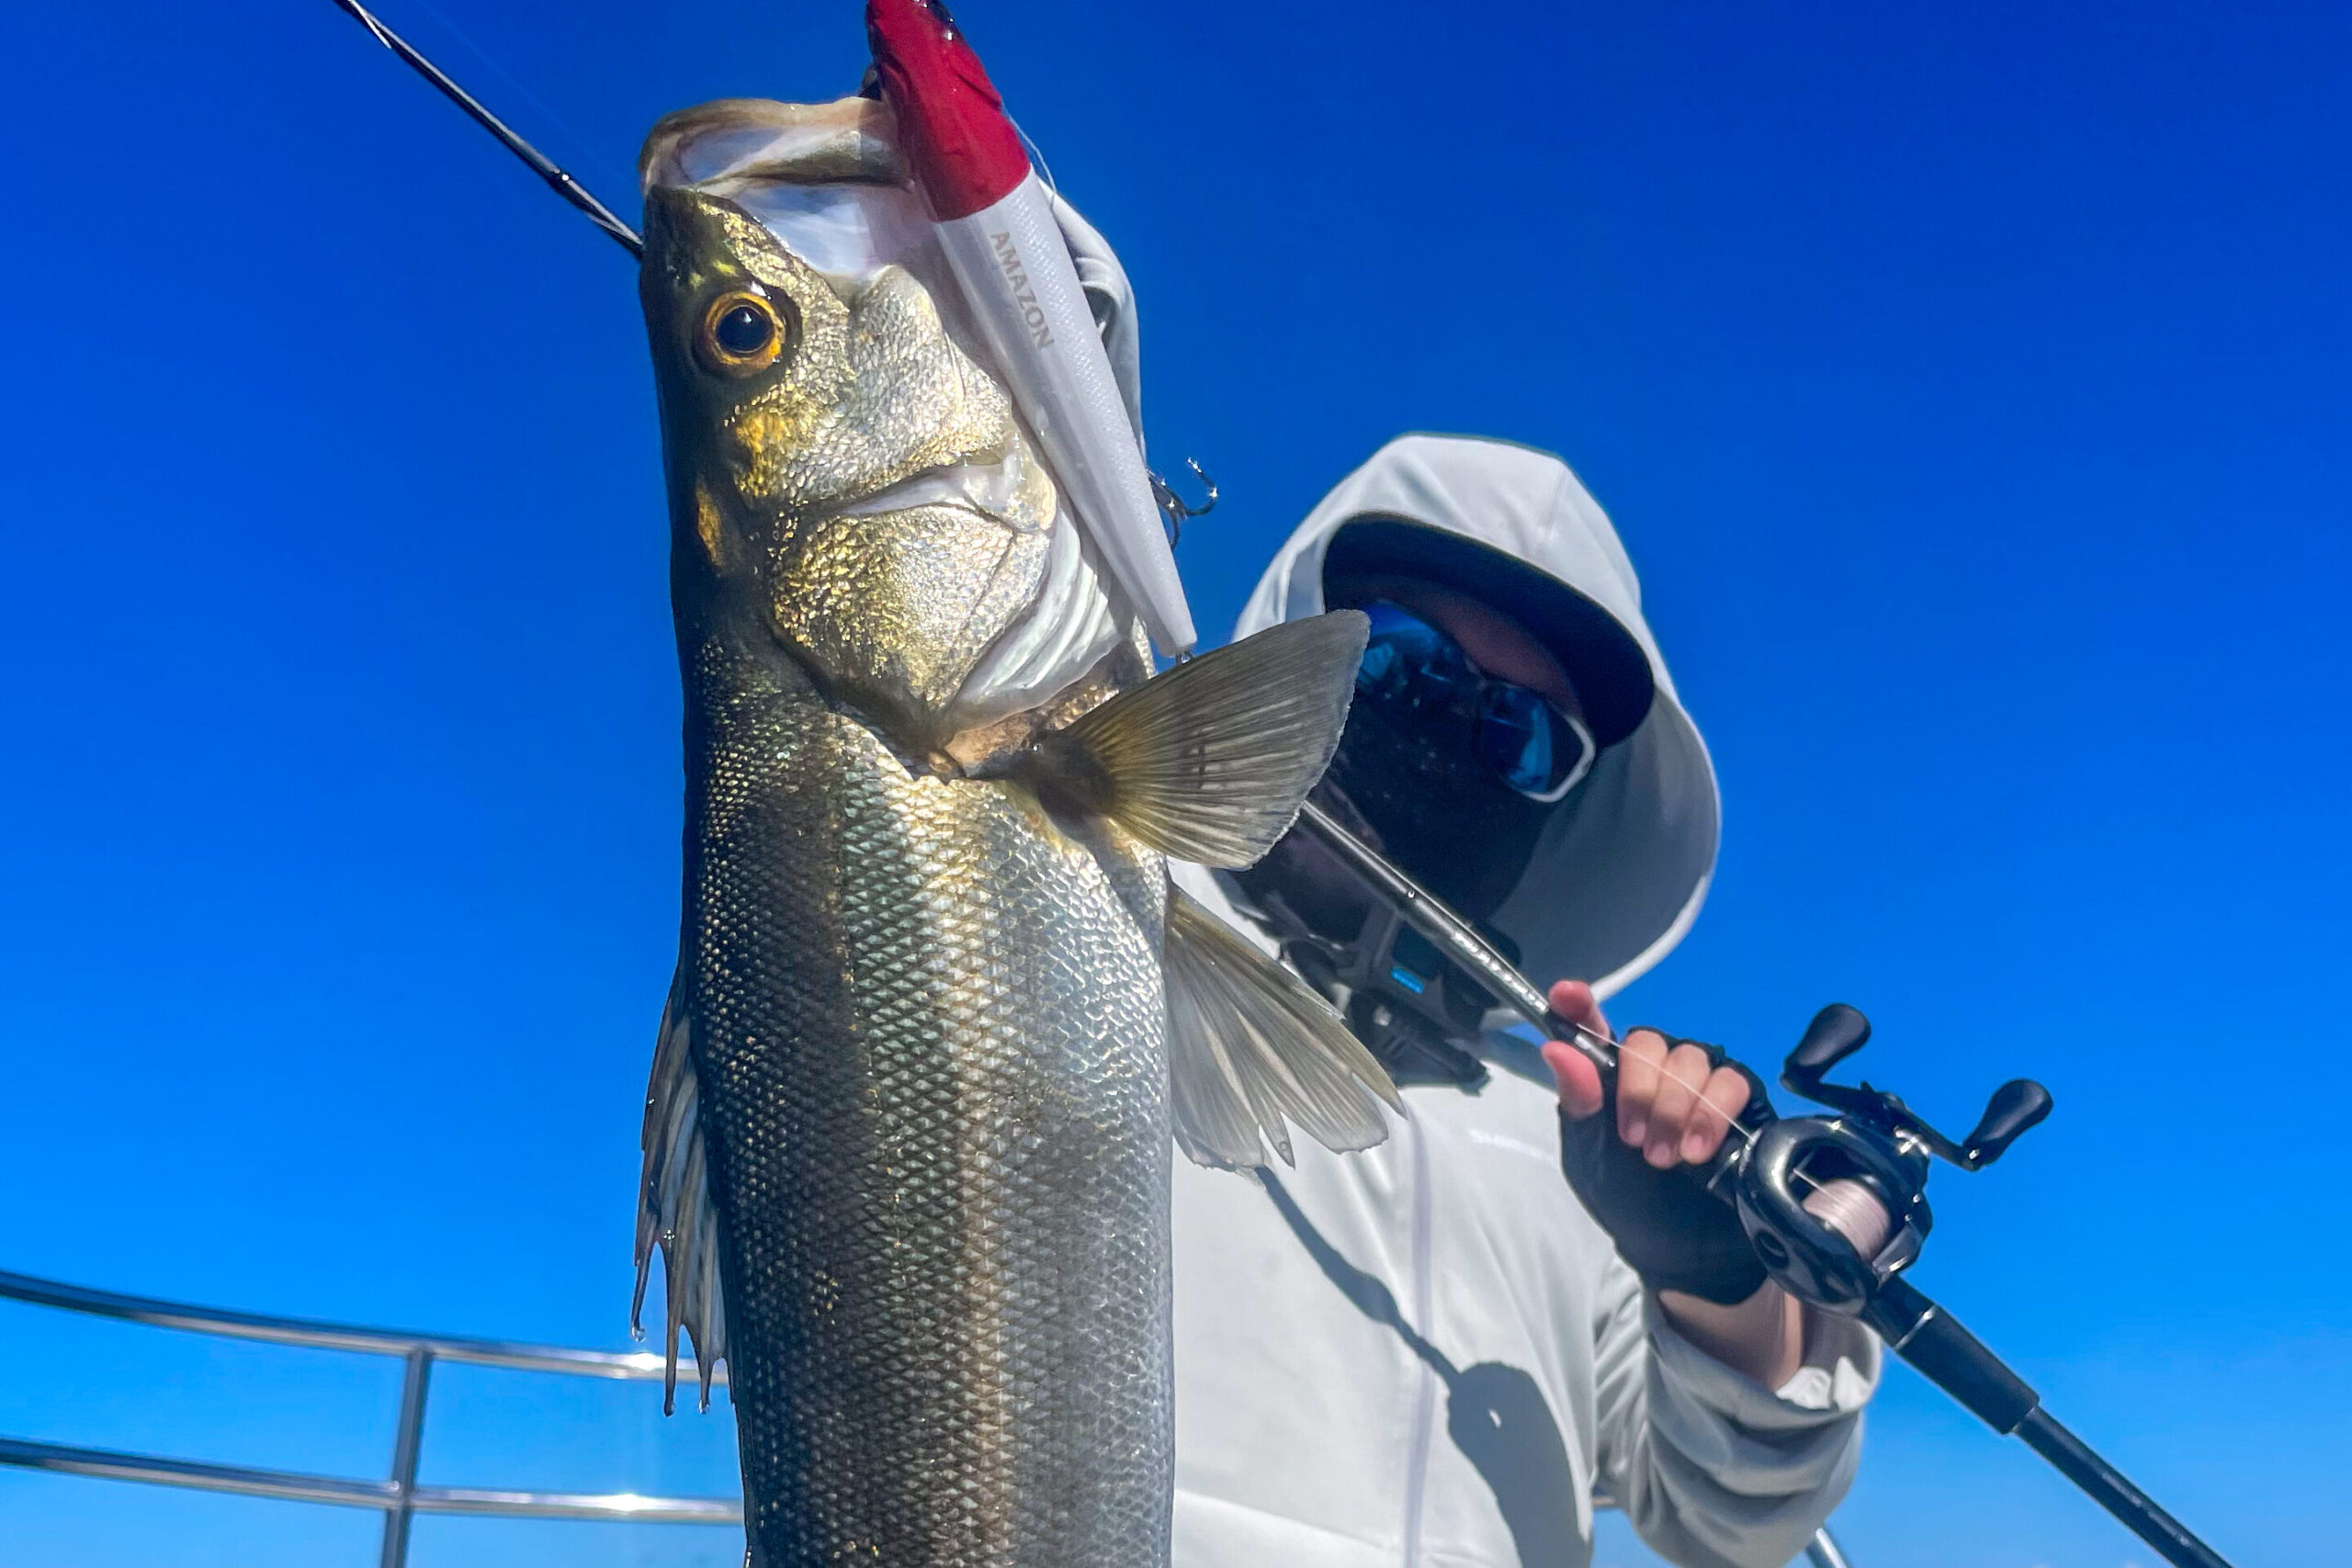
1874,1142
1790,1176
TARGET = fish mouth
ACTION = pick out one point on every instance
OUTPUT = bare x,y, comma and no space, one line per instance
996,490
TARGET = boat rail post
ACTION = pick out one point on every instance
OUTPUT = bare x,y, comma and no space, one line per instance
406,1440
1822,1551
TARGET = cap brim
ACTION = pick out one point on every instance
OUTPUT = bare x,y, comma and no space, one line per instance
1611,672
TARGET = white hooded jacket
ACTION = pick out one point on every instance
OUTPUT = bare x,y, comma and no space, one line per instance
1428,1355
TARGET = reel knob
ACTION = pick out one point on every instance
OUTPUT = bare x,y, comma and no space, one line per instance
1836,1032
2016,1108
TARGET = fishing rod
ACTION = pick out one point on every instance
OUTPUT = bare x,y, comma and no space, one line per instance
1876,1141
547,168
1872,1140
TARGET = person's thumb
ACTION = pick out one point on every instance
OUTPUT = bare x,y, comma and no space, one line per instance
1578,1080
1574,1000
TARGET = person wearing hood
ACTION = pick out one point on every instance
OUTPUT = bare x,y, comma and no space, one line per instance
1433,1352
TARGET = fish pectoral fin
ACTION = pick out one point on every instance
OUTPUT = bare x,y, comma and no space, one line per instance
1208,761
1249,1044
673,1207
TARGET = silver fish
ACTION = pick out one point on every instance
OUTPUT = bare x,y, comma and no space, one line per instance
939,1014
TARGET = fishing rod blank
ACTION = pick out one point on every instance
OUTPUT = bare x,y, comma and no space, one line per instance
1955,1361
564,186
1877,1139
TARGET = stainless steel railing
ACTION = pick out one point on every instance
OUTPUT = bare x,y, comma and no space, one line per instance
399,1496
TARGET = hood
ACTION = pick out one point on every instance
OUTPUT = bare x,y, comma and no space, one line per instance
1622,868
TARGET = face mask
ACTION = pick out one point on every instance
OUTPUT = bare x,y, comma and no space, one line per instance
1419,798
1435,809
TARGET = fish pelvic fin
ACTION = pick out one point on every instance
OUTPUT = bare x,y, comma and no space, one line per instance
1208,761
1249,1044
673,1207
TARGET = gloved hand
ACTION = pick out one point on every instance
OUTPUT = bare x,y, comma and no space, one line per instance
1628,1152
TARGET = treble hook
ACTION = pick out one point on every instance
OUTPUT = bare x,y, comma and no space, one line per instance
1177,513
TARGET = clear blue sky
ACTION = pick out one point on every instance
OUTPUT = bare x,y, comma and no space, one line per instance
1969,383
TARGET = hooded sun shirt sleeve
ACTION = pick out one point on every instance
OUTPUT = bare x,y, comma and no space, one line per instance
1712,1469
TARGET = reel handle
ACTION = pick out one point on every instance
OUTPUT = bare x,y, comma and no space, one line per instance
1836,1032
2016,1107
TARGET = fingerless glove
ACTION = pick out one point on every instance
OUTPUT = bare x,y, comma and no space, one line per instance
1675,1234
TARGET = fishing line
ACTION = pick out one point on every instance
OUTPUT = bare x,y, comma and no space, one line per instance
1616,1053
579,142
1847,1206
1037,154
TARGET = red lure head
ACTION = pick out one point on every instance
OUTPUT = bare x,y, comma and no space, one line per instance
963,151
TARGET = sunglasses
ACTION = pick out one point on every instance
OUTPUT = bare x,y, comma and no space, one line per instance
1520,736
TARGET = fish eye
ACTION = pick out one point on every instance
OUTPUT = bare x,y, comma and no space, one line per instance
743,330
741,333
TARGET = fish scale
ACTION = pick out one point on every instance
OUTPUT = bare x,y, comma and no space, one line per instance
939,1135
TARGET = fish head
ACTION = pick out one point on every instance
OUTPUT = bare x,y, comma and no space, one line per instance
844,479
